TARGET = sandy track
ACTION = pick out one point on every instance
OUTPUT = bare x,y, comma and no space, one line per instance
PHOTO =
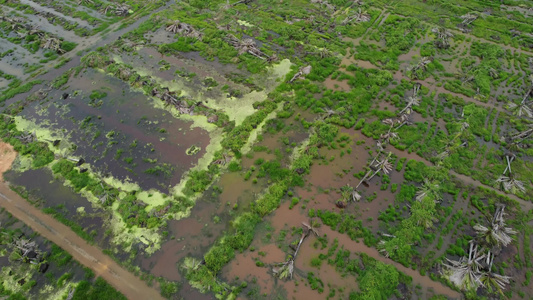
88,255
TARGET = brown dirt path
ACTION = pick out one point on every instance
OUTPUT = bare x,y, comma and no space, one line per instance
88,255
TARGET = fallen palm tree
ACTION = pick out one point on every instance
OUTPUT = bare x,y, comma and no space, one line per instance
358,17
246,46
443,36
322,53
348,193
492,281
525,107
302,72
453,144
325,3
285,269
377,165
27,138
468,19
104,10
511,184
476,270
123,10
431,189
96,60
465,272
412,100
183,29
52,43
507,181
404,118
519,137
420,67
328,113
496,234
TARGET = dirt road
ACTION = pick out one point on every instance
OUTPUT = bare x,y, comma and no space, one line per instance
90,256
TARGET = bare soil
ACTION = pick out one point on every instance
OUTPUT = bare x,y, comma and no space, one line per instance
7,156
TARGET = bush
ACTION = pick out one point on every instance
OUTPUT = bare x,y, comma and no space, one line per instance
68,46
99,290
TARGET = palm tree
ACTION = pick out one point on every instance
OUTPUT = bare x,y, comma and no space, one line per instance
191,264
383,248
429,189
423,212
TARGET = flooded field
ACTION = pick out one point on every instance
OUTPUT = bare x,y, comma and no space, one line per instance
245,150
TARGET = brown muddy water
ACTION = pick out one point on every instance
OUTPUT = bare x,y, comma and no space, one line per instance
121,135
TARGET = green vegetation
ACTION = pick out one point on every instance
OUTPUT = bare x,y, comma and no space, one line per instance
403,125
99,289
